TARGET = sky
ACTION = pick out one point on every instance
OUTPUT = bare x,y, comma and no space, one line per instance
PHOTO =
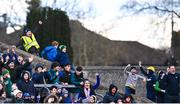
106,12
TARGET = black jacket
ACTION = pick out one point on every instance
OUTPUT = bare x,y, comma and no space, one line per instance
172,83
26,87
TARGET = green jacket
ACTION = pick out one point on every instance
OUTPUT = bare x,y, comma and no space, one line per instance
8,86
76,80
52,77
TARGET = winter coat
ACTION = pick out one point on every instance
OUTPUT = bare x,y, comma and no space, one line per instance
13,74
150,82
52,77
26,87
22,67
109,97
37,78
49,53
66,100
76,80
172,84
65,76
82,94
63,58
8,86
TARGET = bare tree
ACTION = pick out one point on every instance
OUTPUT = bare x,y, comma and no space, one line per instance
74,10
167,10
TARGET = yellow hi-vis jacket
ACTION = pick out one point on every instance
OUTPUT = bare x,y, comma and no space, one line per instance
29,42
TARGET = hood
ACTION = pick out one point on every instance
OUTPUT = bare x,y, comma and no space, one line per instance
111,87
24,72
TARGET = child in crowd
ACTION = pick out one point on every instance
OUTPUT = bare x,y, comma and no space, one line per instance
132,78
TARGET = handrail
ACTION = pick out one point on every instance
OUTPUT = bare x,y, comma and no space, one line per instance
58,85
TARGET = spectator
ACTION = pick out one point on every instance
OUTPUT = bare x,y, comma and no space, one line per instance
62,56
6,57
172,83
128,99
160,87
40,74
54,90
44,92
88,90
7,82
50,52
2,91
65,97
131,82
27,87
51,99
150,81
112,96
13,55
53,73
76,79
29,43
65,75
23,65
10,54
18,96
12,71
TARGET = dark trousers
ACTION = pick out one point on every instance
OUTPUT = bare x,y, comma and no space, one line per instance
172,99
151,96
129,90
33,50
160,98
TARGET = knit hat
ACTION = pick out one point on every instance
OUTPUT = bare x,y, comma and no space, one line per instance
79,68
5,72
151,68
61,47
39,65
26,30
16,92
26,95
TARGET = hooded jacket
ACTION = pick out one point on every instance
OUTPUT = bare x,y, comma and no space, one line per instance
63,58
26,87
109,97
49,53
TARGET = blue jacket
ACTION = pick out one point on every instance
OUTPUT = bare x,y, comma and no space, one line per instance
63,58
49,53
37,78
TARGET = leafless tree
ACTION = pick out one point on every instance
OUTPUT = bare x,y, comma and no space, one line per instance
167,10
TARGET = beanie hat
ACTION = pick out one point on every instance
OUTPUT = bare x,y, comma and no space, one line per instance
39,65
26,95
79,68
26,30
61,47
16,92
151,68
5,72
